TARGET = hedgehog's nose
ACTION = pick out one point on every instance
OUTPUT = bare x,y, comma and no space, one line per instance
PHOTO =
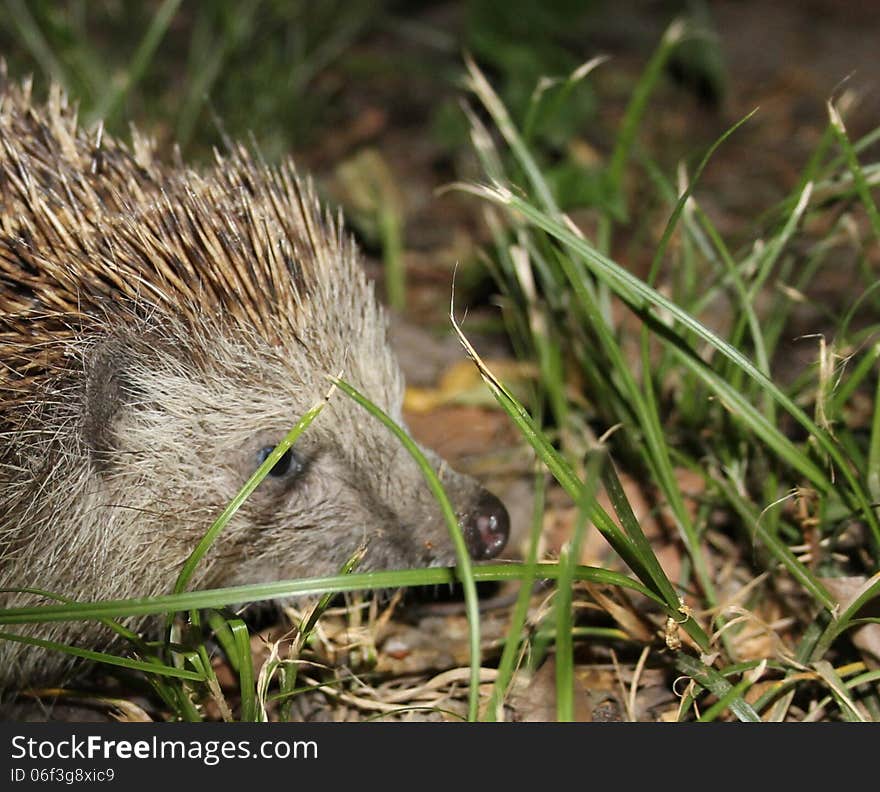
486,527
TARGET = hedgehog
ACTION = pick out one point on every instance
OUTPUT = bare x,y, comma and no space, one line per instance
161,329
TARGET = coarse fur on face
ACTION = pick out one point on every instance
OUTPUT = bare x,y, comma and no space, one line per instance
160,329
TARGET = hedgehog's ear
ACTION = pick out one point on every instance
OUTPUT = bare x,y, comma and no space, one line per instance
107,392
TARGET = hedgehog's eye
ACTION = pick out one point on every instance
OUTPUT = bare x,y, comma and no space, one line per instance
289,463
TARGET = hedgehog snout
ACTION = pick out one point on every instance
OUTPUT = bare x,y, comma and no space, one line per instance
486,526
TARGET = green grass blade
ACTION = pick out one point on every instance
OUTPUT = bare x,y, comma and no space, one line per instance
258,592
870,591
109,103
290,670
565,592
635,111
648,417
724,702
873,473
646,301
481,87
634,531
738,406
848,387
221,626
464,569
244,493
855,169
108,659
710,679
123,632
521,609
32,37
839,691
247,686
563,638
778,549
680,204
570,482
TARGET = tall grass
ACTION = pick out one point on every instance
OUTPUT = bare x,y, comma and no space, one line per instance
700,399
